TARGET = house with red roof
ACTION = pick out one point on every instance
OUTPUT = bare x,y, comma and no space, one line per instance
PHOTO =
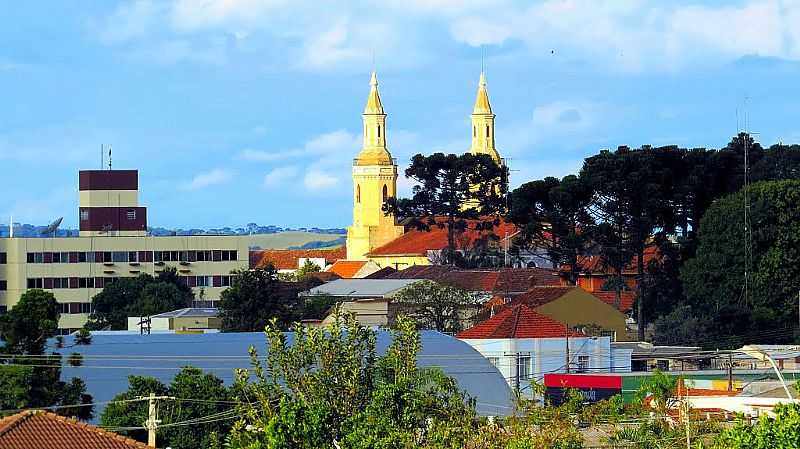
36,429
524,344
290,260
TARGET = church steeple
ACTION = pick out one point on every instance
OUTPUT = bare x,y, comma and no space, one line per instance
483,123
374,151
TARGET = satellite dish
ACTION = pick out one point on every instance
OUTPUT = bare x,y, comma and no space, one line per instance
53,227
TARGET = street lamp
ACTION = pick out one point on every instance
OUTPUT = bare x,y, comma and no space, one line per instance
762,356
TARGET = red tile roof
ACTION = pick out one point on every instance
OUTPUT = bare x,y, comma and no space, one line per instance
518,321
539,296
626,299
594,264
500,280
346,269
44,430
288,259
417,243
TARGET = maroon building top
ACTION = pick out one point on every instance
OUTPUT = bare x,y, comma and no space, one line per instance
108,180
113,219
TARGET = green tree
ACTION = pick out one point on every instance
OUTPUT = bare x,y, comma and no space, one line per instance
143,295
552,214
308,267
450,190
255,297
435,306
29,376
330,387
780,431
632,201
714,279
198,394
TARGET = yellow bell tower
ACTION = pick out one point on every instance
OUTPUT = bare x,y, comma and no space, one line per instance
374,181
483,124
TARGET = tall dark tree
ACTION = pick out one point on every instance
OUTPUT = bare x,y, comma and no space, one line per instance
29,375
451,190
553,215
632,200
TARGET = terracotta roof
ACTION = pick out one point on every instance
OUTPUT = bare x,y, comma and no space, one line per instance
539,296
417,243
626,299
594,264
501,280
324,276
288,259
346,269
382,273
518,321
44,430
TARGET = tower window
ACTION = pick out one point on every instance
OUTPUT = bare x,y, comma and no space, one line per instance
487,130
474,134
385,192
379,131
358,193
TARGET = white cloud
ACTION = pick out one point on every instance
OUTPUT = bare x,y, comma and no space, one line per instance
279,175
631,35
210,178
249,154
317,180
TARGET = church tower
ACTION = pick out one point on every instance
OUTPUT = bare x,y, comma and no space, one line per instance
374,181
483,124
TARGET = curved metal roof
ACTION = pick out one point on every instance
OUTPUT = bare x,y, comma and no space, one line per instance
110,359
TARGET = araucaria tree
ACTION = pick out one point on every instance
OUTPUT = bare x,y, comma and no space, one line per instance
553,217
453,191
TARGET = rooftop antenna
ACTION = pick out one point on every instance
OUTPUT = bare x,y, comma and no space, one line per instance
109,157
11,227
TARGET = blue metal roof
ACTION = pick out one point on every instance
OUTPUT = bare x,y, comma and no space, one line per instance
110,359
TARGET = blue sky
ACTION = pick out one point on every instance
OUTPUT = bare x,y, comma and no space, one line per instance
249,110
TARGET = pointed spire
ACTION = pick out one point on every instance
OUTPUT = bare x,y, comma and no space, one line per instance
482,105
374,105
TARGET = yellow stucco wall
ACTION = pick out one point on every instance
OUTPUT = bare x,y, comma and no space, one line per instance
581,307
399,262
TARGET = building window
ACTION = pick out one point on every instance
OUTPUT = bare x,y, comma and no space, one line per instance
3,309
119,256
131,214
358,193
379,131
474,132
385,192
487,130
583,364
495,361
35,283
3,258
3,285
84,215
524,367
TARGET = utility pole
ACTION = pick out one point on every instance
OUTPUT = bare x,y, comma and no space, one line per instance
152,418
566,338
730,372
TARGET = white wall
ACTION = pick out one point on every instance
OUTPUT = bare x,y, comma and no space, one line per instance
548,355
156,324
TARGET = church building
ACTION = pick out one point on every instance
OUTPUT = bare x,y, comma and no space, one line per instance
378,237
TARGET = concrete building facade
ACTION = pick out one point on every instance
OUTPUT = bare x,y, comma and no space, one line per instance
112,244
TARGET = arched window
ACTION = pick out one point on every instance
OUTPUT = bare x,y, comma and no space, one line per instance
385,192
487,130
474,134
358,193
379,131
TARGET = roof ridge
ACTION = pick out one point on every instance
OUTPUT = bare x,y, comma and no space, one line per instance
10,422
16,420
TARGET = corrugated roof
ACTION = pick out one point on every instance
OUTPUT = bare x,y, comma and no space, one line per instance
221,353
360,288
44,430
289,259
519,321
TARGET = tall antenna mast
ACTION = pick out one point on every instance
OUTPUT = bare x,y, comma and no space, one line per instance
109,156
748,229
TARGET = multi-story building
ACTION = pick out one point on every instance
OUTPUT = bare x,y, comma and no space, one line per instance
113,243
